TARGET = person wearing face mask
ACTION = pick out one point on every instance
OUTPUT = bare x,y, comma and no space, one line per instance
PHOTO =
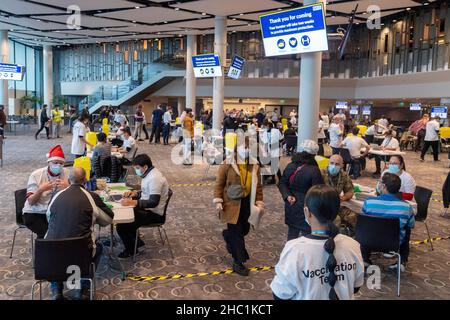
79,141
42,185
148,203
389,144
324,254
298,177
73,212
388,205
408,184
336,178
238,194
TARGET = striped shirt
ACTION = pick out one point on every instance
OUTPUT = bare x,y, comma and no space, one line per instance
389,206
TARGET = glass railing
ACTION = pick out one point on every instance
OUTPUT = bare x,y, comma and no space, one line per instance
115,92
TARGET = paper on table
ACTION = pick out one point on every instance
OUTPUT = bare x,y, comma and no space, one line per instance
255,217
117,205
120,188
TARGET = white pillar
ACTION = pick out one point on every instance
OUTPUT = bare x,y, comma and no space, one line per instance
48,76
309,97
4,52
220,47
180,105
191,81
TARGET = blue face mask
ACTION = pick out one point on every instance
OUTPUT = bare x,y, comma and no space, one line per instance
55,168
139,172
333,169
394,168
377,188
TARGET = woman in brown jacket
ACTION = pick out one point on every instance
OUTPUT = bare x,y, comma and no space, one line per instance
235,207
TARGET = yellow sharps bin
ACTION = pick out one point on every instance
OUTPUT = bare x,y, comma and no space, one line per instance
85,163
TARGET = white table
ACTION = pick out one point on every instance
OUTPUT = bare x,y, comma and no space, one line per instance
356,205
11,123
384,154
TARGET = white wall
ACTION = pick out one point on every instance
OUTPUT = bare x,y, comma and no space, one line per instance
83,88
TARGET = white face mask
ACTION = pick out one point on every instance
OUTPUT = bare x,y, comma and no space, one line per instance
306,211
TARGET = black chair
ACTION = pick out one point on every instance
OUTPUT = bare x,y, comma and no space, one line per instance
54,257
20,196
380,235
423,196
160,227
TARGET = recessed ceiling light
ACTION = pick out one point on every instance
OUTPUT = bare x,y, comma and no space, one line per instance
165,21
241,14
407,9
137,7
234,19
426,3
394,20
38,20
134,21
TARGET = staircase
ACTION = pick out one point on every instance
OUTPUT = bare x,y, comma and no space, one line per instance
150,79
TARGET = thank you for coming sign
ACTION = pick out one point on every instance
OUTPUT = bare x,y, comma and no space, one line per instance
207,65
11,71
236,67
294,31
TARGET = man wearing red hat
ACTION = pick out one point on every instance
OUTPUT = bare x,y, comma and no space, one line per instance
42,185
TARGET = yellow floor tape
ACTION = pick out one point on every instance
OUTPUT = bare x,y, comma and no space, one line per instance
206,184
430,240
190,275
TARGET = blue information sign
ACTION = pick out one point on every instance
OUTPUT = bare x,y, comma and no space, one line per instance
236,67
294,31
207,65
11,71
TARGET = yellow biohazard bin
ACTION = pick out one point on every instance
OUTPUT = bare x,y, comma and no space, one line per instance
85,163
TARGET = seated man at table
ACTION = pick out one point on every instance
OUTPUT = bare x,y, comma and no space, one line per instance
355,145
129,146
148,204
103,147
73,212
42,185
388,205
389,144
338,179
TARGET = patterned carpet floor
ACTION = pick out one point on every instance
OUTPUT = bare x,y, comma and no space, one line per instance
195,235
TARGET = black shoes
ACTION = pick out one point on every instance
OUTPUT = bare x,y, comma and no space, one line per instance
240,269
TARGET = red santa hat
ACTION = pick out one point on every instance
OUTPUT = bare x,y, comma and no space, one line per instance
56,153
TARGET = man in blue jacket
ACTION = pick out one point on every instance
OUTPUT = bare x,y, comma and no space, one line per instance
157,116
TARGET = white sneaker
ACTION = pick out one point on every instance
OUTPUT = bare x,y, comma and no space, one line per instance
389,255
394,267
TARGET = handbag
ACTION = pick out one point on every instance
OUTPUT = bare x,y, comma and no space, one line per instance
237,191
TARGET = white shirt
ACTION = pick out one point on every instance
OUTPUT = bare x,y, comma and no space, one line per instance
36,179
301,273
129,143
408,184
354,144
335,135
341,115
431,133
326,122
370,131
321,134
154,183
167,117
391,143
78,146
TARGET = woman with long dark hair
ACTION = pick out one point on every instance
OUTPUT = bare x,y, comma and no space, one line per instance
323,265
298,177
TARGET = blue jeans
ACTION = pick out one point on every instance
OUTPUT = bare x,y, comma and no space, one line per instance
166,133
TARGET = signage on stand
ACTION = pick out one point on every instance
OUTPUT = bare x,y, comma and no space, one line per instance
293,31
366,110
207,65
354,110
11,71
236,67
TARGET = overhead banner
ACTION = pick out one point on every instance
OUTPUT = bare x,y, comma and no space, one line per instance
294,31
236,67
207,65
354,110
11,71
366,110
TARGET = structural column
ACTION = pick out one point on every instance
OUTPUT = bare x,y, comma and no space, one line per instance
220,47
309,97
4,53
48,75
191,82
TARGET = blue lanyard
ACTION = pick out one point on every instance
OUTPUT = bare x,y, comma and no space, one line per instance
320,233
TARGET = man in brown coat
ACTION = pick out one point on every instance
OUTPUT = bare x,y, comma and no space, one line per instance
237,195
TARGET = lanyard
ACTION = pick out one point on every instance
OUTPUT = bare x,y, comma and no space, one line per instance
319,233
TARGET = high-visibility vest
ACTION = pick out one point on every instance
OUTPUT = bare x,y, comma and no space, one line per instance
56,115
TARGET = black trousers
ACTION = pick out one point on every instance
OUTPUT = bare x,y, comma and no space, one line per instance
127,231
156,132
37,223
166,133
335,150
41,128
235,234
369,139
321,151
404,249
378,160
420,138
434,145
145,131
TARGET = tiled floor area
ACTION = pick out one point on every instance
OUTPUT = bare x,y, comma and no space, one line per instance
195,234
